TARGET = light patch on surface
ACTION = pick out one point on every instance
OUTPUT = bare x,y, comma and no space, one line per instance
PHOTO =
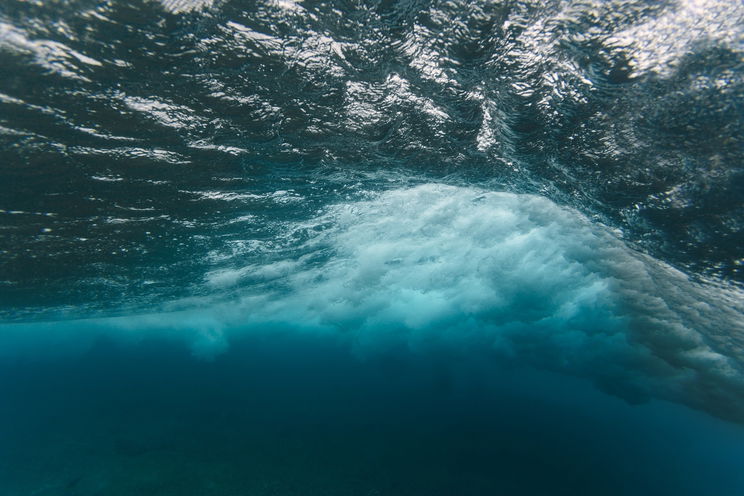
288,5
52,55
133,152
424,58
182,6
166,114
264,42
657,43
367,105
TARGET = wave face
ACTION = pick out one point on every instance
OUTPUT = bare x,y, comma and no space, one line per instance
371,247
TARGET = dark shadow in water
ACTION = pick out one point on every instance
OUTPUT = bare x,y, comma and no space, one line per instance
292,416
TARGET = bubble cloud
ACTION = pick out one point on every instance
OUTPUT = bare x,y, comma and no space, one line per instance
439,267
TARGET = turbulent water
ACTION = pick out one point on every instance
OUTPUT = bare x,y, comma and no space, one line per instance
371,247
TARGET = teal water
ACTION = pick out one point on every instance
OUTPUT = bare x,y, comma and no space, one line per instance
371,248
288,415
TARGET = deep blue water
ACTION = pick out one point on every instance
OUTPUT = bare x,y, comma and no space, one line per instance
371,248
287,415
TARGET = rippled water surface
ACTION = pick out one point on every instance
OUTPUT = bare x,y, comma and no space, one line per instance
371,247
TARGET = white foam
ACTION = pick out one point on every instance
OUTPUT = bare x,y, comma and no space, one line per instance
515,276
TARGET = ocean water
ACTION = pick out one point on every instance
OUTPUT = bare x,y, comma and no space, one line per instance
371,248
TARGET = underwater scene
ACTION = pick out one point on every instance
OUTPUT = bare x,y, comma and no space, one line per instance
371,247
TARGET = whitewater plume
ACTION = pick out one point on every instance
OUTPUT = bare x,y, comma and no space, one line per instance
443,267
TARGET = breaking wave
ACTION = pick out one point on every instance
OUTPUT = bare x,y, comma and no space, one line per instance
435,266
397,191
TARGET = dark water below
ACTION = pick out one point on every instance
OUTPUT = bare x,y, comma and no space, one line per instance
281,415
289,247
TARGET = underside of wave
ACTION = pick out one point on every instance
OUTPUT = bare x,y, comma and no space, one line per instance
446,269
